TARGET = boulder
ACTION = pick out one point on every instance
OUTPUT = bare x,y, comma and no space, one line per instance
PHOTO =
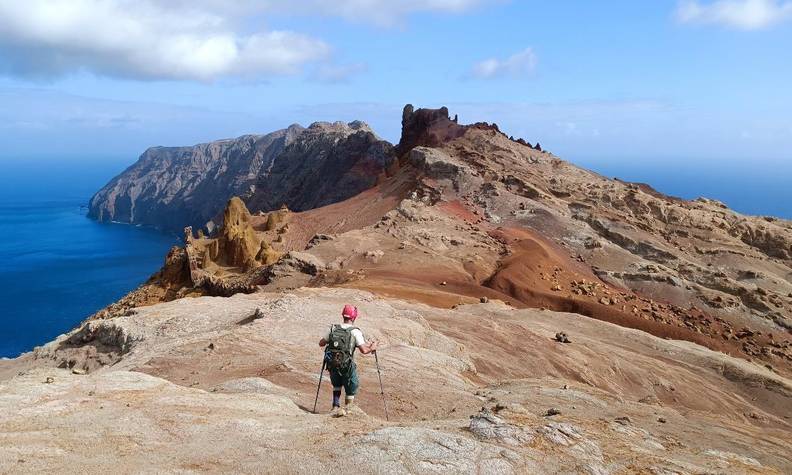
562,337
297,263
267,255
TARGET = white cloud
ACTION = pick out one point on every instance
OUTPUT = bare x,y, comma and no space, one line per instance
146,39
741,14
183,39
518,64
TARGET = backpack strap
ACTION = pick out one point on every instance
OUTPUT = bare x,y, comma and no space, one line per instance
330,332
329,335
354,341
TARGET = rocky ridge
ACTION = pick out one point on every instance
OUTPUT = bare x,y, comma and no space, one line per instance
486,215
173,187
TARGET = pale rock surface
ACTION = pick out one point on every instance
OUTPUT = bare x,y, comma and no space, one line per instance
227,384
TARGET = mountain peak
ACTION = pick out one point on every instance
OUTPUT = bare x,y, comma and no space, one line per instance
434,127
427,127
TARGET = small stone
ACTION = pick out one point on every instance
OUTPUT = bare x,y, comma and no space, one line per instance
212,346
556,288
443,283
756,416
562,337
49,380
552,412
661,420
623,420
650,399
566,386
78,371
605,301
484,299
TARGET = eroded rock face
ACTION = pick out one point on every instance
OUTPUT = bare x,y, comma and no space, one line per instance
237,243
235,261
267,255
684,269
326,164
173,187
428,127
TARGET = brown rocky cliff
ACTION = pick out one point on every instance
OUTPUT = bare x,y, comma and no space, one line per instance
174,187
327,164
237,243
426,127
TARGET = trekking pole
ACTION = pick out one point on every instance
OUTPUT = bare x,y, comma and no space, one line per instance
321,373
382,390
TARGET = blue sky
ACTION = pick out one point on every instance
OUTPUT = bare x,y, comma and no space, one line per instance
619,80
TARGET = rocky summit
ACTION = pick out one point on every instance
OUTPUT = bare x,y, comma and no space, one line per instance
534,317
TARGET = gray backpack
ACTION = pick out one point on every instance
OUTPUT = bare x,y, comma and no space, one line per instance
340,348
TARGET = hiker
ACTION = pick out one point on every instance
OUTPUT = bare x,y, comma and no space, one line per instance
341,342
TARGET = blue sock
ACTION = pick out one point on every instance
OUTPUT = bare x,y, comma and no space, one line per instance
336,398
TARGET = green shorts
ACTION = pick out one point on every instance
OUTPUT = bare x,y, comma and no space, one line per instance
347,380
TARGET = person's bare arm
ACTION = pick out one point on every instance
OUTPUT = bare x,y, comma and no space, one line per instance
370,347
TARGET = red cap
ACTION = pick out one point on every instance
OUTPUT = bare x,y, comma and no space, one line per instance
350,312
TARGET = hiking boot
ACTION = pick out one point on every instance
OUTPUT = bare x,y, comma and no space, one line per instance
338,412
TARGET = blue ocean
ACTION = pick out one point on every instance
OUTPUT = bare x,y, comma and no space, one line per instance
57,266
